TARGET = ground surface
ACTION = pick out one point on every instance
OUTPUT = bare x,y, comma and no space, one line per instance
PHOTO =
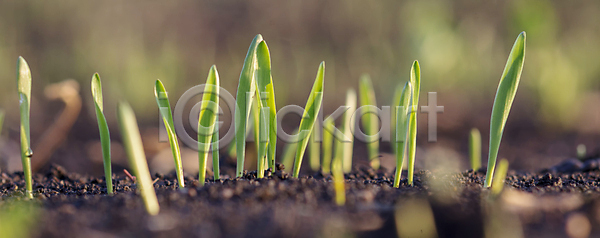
539,205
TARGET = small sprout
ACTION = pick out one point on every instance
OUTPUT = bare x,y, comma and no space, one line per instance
328,126
507,89
401,125
132,141
24,90
314,150
370,121
103,129
395,101
338,181
498,183
207,120
309,117
581,150
415,81
164,107
245,92
344,143
266,93
475,149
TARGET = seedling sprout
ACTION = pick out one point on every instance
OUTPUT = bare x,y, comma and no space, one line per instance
132,141
415,81
103,130
344,143
401,123
328,127
207,120
309,117
475,149
24,91
370,121
507,89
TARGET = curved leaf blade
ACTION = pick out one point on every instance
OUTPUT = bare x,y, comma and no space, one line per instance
415,81
370,121
207,120
103,130
24,91
401,123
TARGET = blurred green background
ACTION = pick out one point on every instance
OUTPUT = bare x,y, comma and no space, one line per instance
462,47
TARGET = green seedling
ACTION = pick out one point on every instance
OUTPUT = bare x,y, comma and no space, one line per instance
370,120
289,152
132,141
314,150
207,120
309,117
24,90
401,123
261,140
344,143
475,149
338,181
266,93
498,183
415,81
164,107
507,89
103,130
245,92
328,126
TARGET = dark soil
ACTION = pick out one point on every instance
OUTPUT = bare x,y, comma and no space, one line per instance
280,206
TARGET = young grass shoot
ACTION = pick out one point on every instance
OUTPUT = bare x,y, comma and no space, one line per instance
507,89
24,91
370,121
402,110
132,141
498,183
245,93
267,139
207,120
328,127
103,130
415,81
309,117
344,143
475,149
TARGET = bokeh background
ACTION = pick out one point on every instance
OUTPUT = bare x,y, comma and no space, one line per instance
462,47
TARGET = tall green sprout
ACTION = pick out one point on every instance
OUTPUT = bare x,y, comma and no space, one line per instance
164,107
328,127
215,149
289,152
103,130
343,147
475,149
132,141
245,92
401,125
370,121
415,81
395,101
309,117
507,89
338,181
207,120
2,114
24,90
267,138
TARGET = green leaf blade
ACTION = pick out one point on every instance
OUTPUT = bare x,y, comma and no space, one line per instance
309,117
505,95
134,148
401,125
96,87
164,107
24,91
245,91
370,121
206,123
415,81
